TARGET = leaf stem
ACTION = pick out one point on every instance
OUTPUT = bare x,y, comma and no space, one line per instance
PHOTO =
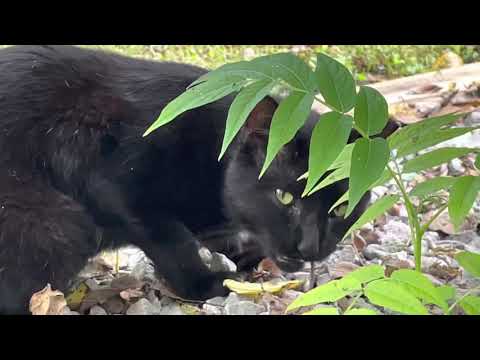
354,301
463,297
415,228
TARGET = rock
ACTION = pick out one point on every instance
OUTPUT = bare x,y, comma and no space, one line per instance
205,255
243,308
214,306
472,119
341,268
377,192
395,236
220,262
115,305
144,270
141,307
97,310
67,311
375,251
171,309
455,167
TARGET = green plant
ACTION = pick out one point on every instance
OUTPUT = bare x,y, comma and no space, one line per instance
369,162
404,291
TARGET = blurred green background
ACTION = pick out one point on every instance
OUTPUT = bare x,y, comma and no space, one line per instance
369,63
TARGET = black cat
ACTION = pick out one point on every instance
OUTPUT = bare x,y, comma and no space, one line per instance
76,175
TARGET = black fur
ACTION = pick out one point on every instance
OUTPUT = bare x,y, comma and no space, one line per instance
73,161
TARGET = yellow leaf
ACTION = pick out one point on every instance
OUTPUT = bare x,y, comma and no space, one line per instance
247,288
75,298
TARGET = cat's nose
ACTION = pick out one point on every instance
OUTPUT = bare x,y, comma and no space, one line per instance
309,245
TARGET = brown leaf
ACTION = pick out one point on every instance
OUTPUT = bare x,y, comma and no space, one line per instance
47,302
370,237
130,294
126,282
269,266
341,268
98,297
359,242
276,305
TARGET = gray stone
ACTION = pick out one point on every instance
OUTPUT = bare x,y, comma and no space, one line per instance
205,255
395,236
472,119
243,308
218,300
220,262
171,309
375,251
141,307
97,310
67,311
212,309
455,167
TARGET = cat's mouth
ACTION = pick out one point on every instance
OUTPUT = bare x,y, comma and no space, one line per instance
289,264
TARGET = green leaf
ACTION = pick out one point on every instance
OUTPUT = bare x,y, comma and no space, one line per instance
289,117
469,261
241,107
462,196
420,286
477,162
361,311
323,311
284,66
435,158
335,83
433,185
447,292
329,292
417,143
471,305
343,159
373,211
390,294
371,111
367,273
407,134
329,138
341,200
369,158
334,176
197,96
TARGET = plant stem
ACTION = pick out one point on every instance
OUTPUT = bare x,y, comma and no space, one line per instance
463,297
354,301
413,221
436,215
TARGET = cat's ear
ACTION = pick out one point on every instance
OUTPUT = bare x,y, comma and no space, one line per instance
389,129
259,120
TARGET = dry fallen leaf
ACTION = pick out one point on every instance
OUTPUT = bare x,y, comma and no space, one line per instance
130,294
270,267
247,288
341,268
47,302
75,298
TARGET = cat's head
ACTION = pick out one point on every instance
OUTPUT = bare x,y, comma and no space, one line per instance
289,228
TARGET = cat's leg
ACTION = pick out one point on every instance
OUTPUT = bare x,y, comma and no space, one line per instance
45,237
167,242
174,251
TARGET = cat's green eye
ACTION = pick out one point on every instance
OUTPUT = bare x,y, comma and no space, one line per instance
284,197
340,210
